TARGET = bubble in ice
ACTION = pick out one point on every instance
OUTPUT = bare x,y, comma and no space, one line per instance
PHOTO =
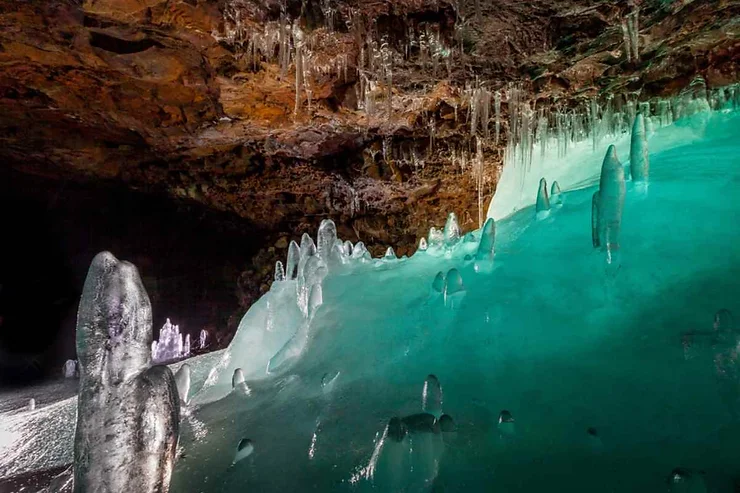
684,480
506,425
431,396
291,263
182,380
451,232
438,284
244,449
543,201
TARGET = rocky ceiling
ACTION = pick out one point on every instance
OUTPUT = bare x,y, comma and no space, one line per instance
196,99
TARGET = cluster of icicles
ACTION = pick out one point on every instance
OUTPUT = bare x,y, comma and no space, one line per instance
173,345
309,262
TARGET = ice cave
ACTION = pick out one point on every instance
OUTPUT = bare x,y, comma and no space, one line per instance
370,246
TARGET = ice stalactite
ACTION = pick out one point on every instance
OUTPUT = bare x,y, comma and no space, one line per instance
639,156
478,169
497,112
128,412
298,42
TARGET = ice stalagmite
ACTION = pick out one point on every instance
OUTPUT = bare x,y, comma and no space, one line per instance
279,271
291,263
487,239
237,382
543,201
70,369
431,396
128,413
639,158
326,238
452,230
611,201
390,254
182,380
555,198
423,245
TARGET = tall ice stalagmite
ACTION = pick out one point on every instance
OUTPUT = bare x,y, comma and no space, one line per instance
639,158
128,413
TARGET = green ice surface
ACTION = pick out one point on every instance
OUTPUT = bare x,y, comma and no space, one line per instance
550,334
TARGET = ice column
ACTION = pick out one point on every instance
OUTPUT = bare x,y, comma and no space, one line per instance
128,413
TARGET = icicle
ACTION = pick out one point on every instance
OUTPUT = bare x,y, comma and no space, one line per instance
298,41
497,109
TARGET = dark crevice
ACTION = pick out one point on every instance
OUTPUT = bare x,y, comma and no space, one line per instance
120,46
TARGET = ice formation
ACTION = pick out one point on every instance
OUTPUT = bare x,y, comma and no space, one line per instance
506,424
128,412
171,344
182,380
203,339
639,156
431,397
543,201
243,450
610,203
70,369
336,354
